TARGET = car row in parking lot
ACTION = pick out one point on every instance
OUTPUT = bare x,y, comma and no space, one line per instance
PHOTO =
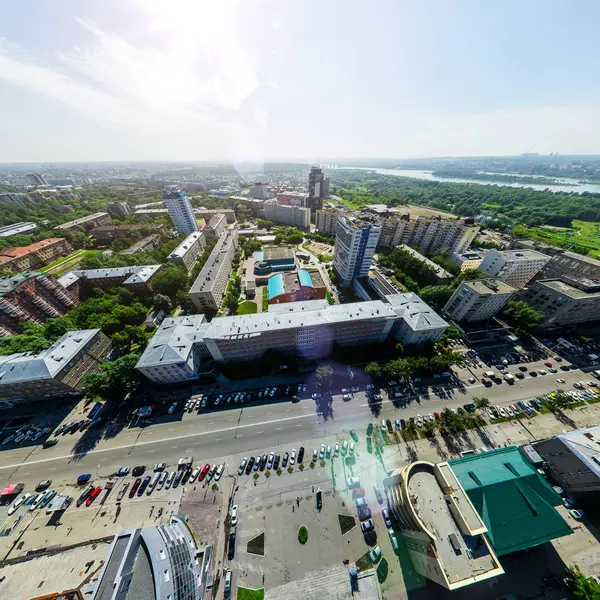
26,433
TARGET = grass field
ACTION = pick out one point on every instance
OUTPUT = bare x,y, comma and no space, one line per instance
248,594
584,234
65,263
247,307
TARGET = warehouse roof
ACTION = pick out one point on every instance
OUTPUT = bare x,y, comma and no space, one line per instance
514,501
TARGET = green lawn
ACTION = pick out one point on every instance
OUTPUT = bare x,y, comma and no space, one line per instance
68,261
248,594
584,234
247,307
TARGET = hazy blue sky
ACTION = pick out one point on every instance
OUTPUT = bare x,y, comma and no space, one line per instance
286,79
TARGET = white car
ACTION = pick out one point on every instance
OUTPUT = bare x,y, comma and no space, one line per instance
234,515
419,421
472,379
322,452
502,411
161,480
18,503
345,447
337,449
172,408
219,471
293,456
194,475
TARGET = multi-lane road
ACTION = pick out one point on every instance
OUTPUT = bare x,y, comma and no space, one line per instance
237,431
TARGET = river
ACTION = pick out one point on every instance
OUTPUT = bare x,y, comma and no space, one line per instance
566,185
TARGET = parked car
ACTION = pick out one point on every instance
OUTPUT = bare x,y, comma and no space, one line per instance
353,435
139,470
205,470
227,579
219,471
242,466
82,479
375,554
144,485
234,515
385,513
378,494
364,512
367,525
231,548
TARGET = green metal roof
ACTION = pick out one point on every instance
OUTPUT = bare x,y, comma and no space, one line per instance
514,501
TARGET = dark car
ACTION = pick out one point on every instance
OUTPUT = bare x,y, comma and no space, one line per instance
276,462
389,425
178,477
49,443
402,423
300,455
144,485
231,549
284,460
83,478
364,513
122,491
139,470
84,496
249,465
469,407
369,428
134,487
263,462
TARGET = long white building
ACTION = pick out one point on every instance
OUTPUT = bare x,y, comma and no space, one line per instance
478,300
180,209
183,347
295,216
187,252
515,267
355,242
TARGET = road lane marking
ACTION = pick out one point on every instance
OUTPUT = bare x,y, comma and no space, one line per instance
159,441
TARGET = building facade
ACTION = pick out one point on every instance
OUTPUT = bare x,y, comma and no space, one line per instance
326,221
56,371
184,347
118,209
430,234
9,198
207,214
468,260
316,180
108,233
31,298
478,300
160,562
17,228
292,199
180,209
146,244
216,226
295,287
515,267
209,288
565,301
138,279
259,191
355,242
34,256
295,216
442,277
186,254
84,223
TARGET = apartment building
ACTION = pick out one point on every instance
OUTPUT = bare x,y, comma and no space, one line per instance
442,277
259,190
256,205
208,213
184,347
109,233
316,188
118,209
34,256
17,228
186,254
84,223
562,262
515,267
180,209
478,300
430,234
326,221
565,301
209,288
469,260
216,226
292,199
31,298
355,242
295,216
9,198
138,279
57,371
146,244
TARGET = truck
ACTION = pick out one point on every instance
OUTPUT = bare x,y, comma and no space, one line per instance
490,374
509,378
59,503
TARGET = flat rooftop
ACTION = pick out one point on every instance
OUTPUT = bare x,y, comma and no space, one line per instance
525,254
208,276
490,287
186,245
566,289
585,444
461,556
277,253
82,220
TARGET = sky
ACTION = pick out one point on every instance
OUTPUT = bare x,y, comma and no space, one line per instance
257,80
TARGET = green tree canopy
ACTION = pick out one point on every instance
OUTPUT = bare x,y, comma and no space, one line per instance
579,586
373,370
522,316
170,280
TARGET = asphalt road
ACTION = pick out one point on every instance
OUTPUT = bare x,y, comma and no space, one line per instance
251,429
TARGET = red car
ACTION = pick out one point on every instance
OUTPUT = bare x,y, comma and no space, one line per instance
548,363
436,415
205,470
358,493
95,492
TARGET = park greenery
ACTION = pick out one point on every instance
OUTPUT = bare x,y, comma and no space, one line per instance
516,204
580,587
523,317
114,379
